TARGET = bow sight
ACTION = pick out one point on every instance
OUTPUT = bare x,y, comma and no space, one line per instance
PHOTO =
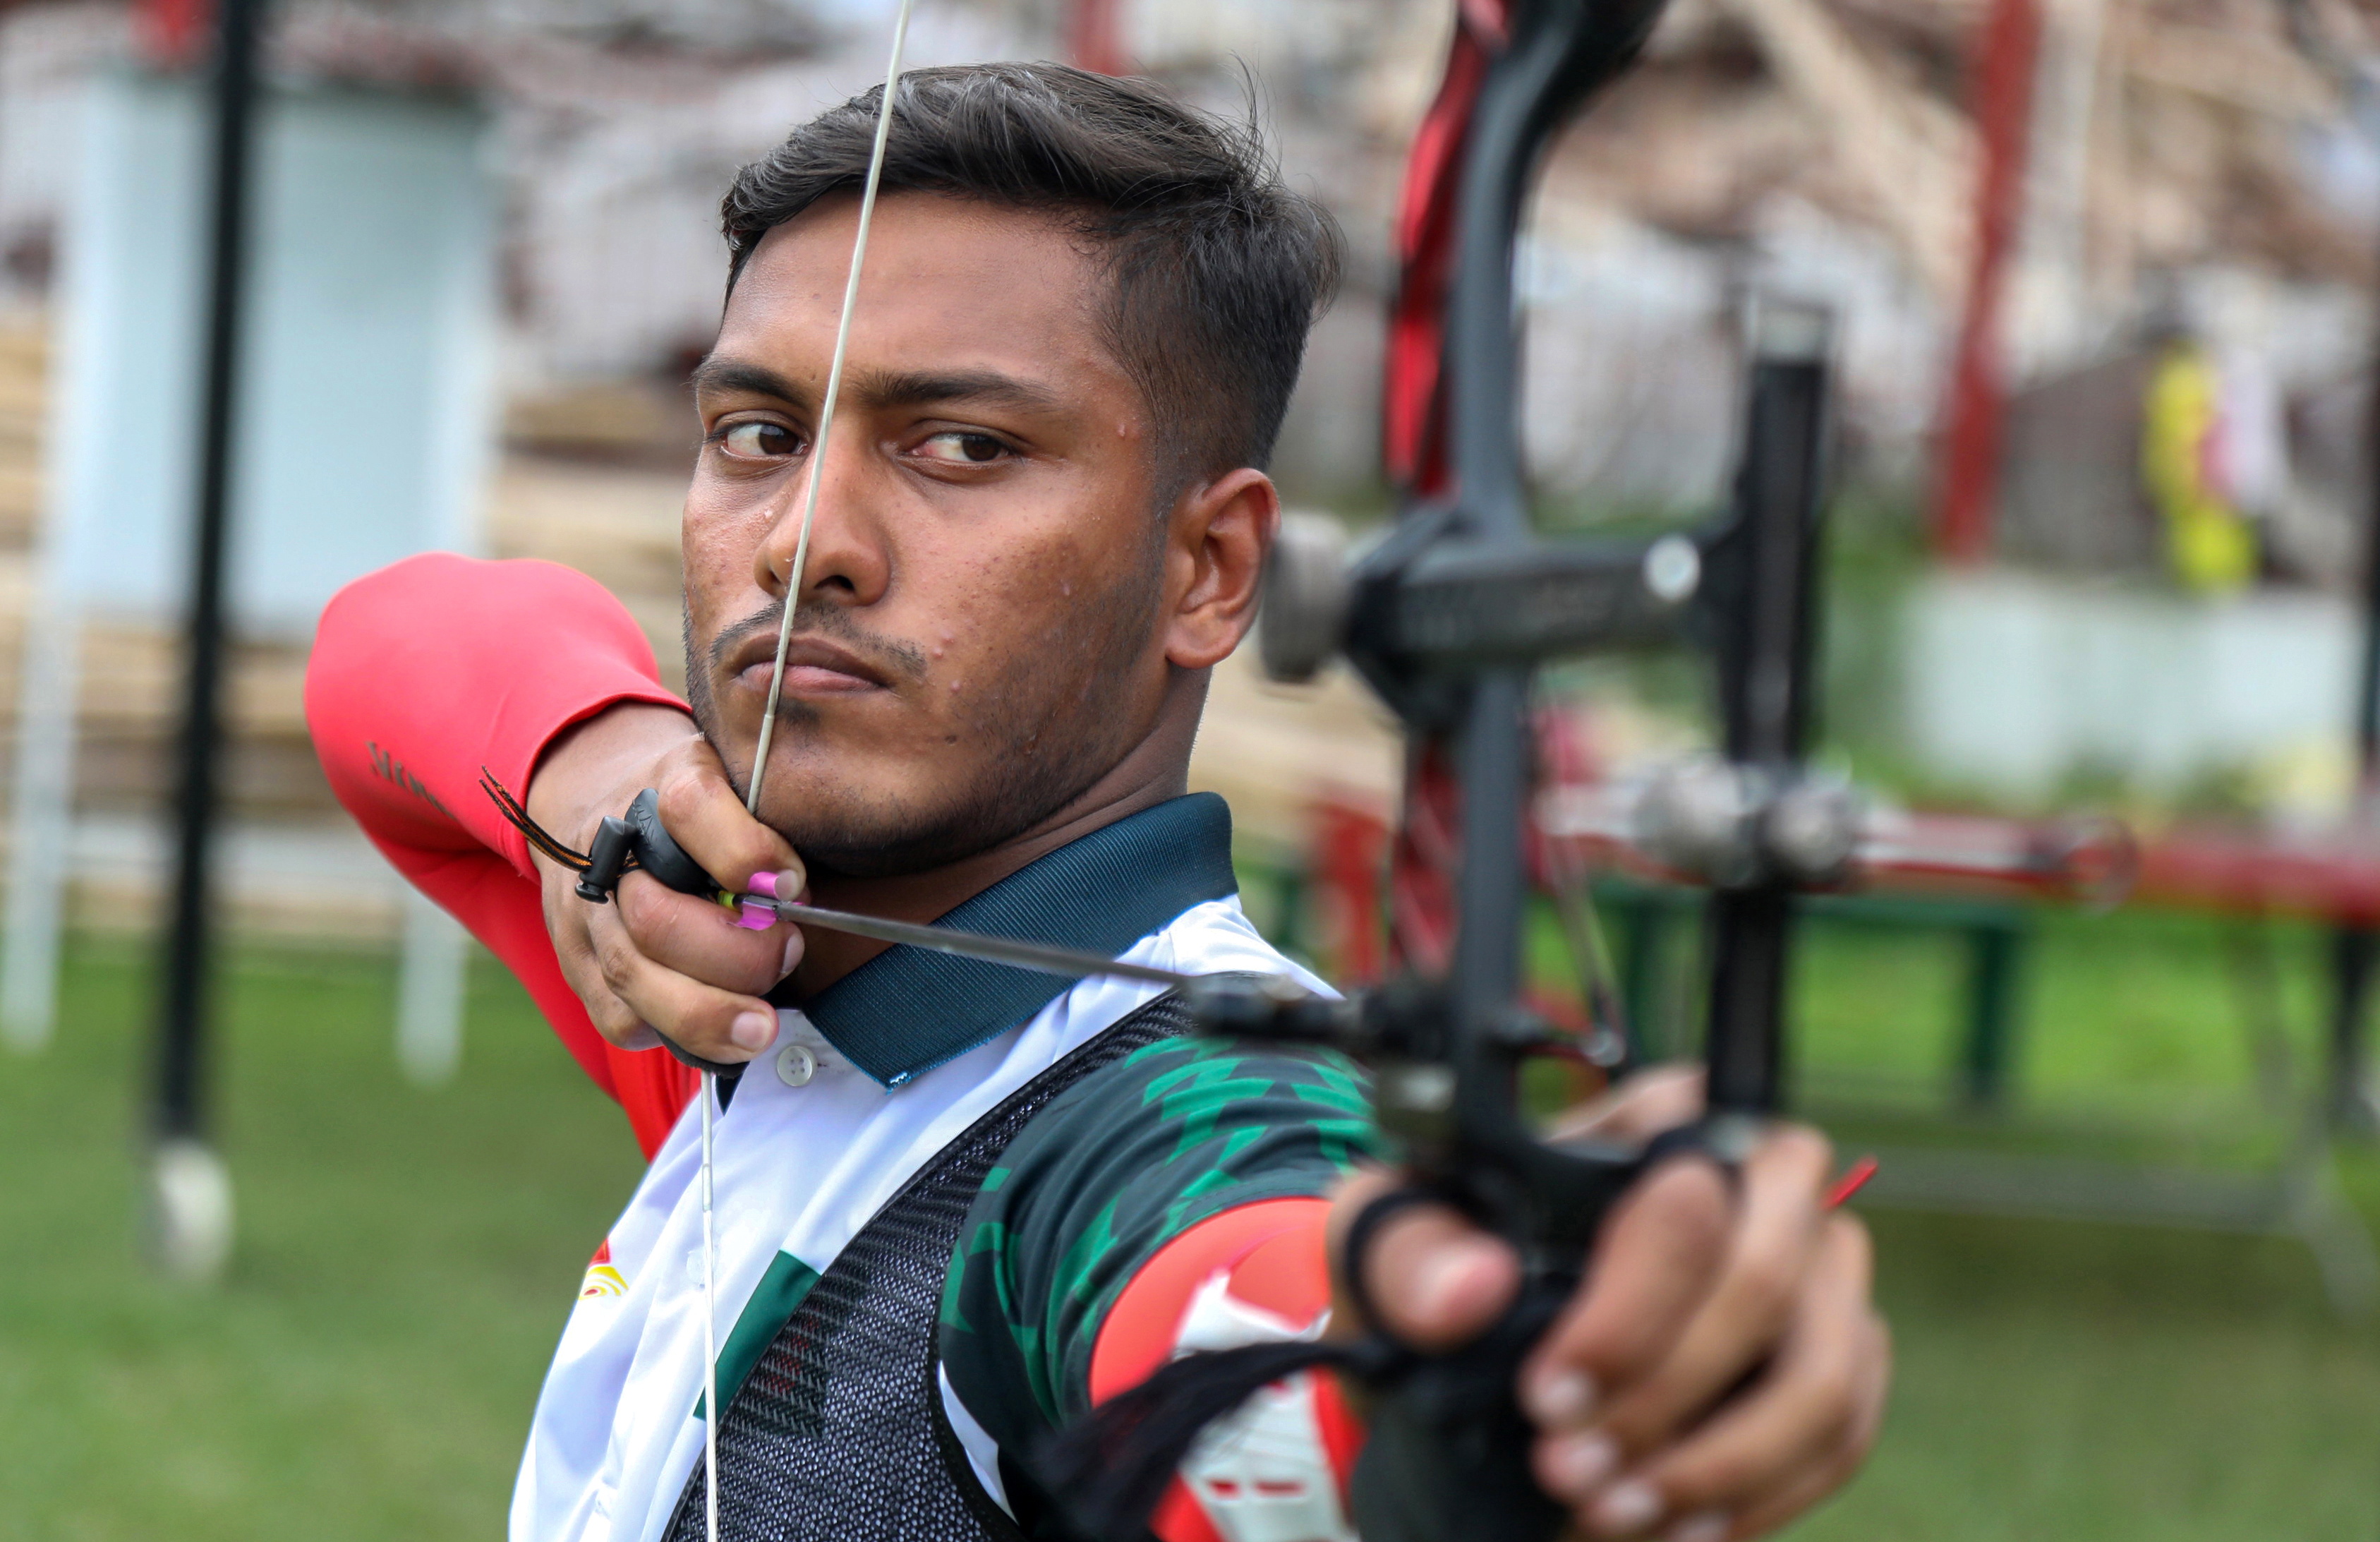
1445,622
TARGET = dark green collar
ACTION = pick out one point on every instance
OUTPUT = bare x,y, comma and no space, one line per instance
905,1012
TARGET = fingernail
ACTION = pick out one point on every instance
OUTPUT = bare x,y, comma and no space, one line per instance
793,954
1709,1526
1575,1464
1627,1509
753,1030
1562,1400
788,884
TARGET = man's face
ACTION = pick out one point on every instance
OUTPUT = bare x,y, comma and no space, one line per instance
979,631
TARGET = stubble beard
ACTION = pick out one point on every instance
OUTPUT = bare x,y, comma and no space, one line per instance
1052,724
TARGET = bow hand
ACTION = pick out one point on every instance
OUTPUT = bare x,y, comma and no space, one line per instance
1719,1369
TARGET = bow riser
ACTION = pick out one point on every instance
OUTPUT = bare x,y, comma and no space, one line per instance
1556,56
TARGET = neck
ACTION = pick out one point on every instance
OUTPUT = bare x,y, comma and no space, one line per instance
1156,769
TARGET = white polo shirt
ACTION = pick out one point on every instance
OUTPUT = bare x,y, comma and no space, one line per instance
809,1147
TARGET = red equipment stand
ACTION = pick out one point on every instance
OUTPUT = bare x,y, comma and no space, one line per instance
1973,875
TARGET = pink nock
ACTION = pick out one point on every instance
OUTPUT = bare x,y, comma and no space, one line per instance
756,914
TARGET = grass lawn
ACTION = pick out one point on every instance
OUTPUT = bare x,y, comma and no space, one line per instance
2066,1381
406,1259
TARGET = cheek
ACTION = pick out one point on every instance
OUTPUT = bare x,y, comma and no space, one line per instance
1039,627
1020,600
711,523
983,636
718,543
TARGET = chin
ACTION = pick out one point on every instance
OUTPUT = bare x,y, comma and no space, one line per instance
866,849
885,833
856,808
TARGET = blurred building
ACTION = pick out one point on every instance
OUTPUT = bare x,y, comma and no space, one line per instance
2188,166
2181,152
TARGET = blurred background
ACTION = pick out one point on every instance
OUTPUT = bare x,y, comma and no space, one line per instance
2098,544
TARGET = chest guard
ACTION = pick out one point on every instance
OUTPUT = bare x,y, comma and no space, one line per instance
839,1433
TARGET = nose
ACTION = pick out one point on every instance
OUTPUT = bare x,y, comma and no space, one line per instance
843,557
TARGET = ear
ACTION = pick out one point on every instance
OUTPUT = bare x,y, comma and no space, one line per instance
1220,534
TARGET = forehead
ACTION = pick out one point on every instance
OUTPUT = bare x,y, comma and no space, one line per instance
947,281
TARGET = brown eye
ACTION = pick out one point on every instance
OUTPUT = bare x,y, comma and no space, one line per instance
961,448
758,441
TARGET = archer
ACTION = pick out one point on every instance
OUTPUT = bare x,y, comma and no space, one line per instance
959,1205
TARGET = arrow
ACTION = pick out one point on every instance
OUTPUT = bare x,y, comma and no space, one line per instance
1041,957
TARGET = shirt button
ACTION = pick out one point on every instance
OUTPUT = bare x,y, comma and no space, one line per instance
797,1065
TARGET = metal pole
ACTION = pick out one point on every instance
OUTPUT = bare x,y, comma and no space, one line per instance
2355,947
2005,60
180,1117
1094,37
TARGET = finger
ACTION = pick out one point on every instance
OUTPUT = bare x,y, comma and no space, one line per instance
1643,1105
1778,1215
1816,1400
702,1019
1807,1491
696,938
566,919
1435,1280
1802,1491
613,1017
1824,1479
1651,1270
700,811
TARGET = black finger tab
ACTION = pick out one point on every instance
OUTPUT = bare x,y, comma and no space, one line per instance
607,857
659,853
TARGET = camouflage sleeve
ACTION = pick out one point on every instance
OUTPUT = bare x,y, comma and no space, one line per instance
1099,1182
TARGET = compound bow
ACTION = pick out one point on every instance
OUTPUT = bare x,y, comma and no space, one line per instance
1447,619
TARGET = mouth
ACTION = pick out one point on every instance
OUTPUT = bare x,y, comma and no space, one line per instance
814,667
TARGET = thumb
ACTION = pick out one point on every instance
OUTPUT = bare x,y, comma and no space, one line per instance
1435,1280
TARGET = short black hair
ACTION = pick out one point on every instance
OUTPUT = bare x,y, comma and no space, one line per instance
1218,268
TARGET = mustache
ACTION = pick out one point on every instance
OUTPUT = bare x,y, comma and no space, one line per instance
905,661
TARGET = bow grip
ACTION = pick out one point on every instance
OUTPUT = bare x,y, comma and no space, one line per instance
1447,1459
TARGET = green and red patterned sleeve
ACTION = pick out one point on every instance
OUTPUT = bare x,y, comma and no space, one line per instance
1182,1189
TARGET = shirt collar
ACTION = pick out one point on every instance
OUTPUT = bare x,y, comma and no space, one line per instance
906,1010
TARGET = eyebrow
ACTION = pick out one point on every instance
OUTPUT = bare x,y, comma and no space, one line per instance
927,388
742,377
881,389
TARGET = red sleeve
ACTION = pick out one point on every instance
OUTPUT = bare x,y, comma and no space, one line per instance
1266,1262
436,666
